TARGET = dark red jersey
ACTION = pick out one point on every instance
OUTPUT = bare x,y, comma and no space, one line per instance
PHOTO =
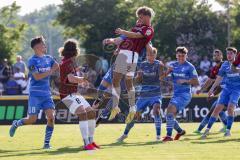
137,44
66,67
237,61
214,71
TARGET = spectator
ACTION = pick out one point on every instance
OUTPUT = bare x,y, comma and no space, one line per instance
101,66
5,71
205,64
202,77
20,78
1,88
19,64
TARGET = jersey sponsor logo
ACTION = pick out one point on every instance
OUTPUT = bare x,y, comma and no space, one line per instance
179,74
233,74
148,32
32,68
44,69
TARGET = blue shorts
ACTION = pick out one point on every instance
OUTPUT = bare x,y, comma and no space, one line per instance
229,96
37,103
108,76
142,102
181,100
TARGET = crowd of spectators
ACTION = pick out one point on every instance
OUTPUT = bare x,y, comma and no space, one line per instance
14,78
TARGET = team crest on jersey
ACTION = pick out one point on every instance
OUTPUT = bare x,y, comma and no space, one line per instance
148,32
32,67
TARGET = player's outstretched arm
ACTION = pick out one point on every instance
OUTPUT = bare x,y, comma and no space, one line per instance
206,85
128,33
215,84
76,79
193,81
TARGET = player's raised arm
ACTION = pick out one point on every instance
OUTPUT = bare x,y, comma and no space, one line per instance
129,34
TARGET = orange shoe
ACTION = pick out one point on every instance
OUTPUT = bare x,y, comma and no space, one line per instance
95,145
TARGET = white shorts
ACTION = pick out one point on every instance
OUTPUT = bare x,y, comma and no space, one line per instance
74,101
126,62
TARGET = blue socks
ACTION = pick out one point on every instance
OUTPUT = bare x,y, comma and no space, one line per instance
158,122
230,120
177,127
129,127
102,88
170,122
223,117
20,123
203,123
211,121
48,135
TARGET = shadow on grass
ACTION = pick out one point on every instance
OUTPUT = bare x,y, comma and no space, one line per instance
58,151
125,144
217,141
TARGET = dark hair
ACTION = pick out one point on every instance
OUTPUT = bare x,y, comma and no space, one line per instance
37,40
69,49
146,11
182,50
217,51
232,49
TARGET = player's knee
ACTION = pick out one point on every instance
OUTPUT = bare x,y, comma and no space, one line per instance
51,119
31,119
91,114
156,112
230,110
82,114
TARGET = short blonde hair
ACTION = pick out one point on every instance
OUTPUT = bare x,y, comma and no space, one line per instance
146,11
232,49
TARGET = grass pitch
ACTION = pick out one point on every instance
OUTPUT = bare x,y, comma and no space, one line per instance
140,145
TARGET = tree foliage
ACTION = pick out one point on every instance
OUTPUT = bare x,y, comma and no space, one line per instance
11,30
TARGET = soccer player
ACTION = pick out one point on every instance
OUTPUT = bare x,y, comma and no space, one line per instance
40,66
230,94
68,92
126,61
149,75
184,75
218,58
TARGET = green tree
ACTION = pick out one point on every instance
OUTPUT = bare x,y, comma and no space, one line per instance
11,30
91,21
42,23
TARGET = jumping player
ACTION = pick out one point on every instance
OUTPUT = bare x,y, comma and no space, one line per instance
40,66
184,75
230,94
68,92
126,61
149,75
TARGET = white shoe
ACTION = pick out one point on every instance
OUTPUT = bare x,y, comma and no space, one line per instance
121,139
205,134
227,133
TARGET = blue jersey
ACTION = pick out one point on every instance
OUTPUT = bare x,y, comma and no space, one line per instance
231,79
184,71
150,78
40,65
